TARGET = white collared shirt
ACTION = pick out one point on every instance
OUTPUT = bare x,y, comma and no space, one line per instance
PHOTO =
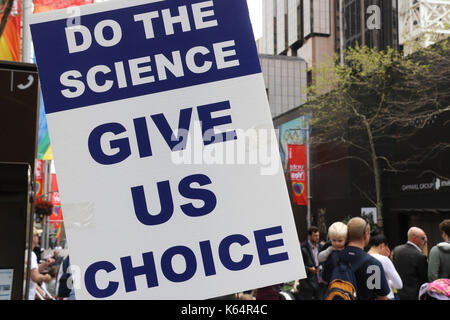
415,245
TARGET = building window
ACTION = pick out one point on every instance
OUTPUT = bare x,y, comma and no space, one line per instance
351,13
275,35
316,14
300,21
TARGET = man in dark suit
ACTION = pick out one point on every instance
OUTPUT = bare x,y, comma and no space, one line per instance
411,264
311,288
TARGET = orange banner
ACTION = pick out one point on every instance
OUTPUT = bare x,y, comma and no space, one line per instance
10,42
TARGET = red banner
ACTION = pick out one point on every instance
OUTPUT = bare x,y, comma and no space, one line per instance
297,170
56,217
39,178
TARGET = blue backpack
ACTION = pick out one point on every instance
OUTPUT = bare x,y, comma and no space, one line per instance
342,285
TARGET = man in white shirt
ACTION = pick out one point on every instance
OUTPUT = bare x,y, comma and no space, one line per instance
35,268
379,249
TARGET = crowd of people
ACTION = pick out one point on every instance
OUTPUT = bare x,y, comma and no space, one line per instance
49,273
357,264
354,264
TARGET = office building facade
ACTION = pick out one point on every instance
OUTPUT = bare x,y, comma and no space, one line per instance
314,30
286,81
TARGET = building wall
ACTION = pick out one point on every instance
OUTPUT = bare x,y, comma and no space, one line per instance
294,21
269,14
285,79
320,48
290,24
373,23
281,26
320,23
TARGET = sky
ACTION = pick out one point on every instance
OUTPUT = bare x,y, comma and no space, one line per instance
255,8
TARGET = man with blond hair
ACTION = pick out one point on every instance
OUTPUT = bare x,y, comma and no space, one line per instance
411,264
337,235
371,283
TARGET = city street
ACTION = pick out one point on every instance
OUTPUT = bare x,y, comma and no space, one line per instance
219,156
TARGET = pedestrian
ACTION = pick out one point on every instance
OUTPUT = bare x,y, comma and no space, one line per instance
35,268
311,288
379,249
370,280
337,235
57,256
37,248
267,293
439,256
51,286
64,279
411,264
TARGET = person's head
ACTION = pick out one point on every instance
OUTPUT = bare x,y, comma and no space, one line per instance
54,271
56,251
313,235
444,227
358,231
379,244
35,240
417,236
337,233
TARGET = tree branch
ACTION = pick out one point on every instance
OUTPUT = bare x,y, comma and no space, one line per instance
341,159
364,194
434,173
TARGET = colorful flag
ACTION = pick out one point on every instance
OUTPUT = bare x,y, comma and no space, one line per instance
298,173
10,40
44,147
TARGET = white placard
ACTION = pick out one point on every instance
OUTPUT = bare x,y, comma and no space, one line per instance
168,168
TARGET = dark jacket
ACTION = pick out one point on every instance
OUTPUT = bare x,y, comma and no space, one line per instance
310,283
412,266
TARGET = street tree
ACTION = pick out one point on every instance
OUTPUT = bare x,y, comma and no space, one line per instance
377,97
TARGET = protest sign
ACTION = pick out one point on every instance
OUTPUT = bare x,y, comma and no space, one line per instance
167,193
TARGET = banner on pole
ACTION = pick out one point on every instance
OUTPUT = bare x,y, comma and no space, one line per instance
298,173
39,179
142,98
56,218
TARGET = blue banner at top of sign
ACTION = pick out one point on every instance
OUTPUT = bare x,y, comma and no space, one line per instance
141,50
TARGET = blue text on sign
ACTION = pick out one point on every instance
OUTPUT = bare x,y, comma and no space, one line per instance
152,269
